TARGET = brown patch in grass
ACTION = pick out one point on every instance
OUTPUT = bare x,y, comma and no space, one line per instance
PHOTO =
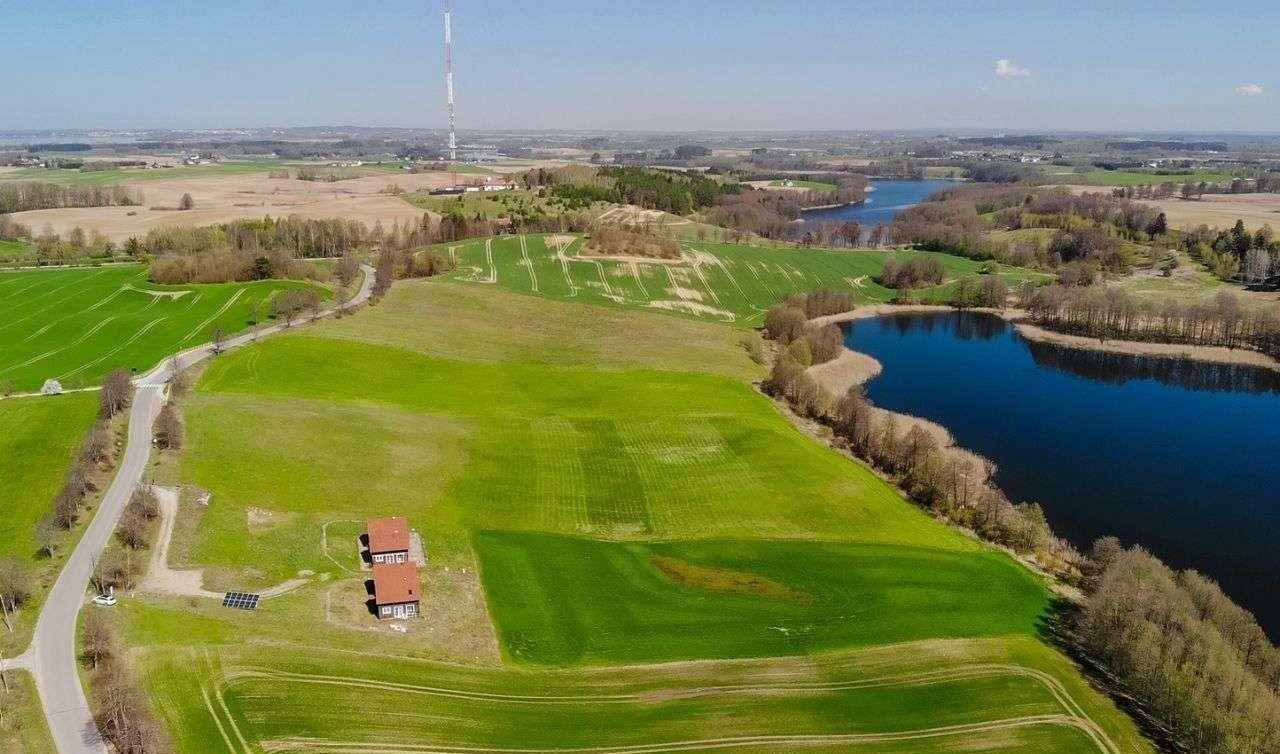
724,580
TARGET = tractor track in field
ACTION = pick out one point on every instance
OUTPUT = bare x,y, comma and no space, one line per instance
1074,715
702,744
47,307
229,303
41,357
528,263
133,339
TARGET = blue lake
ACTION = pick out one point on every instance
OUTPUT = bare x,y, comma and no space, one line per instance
1175,455
881,206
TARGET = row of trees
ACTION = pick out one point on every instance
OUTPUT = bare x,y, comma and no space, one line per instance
124,717
301,237
1113,313
1267,184
96,453
1197,661
23,196
951,482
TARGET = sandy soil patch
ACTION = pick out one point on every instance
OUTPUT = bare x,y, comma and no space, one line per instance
844,371
221,199
692,307
630,214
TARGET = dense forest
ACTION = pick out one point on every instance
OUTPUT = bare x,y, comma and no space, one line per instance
1112,313
1199,662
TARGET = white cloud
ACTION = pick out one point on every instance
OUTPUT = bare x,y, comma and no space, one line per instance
1249,90
1006,68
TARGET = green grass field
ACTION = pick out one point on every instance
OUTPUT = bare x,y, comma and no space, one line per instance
1009,695
811,185
10,248
38,440
598,490
565,600
716,282
1134,178
75,325
132,175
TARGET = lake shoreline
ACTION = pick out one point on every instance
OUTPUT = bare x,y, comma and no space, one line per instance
851,367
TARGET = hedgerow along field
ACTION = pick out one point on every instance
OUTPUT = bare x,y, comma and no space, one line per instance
75,325
627,499
715,282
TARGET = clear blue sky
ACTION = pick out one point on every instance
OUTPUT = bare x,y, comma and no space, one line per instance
655,64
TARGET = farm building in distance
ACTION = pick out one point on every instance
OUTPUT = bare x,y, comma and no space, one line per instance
396,591
388,540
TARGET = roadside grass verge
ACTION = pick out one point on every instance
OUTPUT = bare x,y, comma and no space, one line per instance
23,729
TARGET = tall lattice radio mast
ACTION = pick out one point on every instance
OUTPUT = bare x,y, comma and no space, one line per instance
448,75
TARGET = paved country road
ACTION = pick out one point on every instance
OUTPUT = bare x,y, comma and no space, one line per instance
52,656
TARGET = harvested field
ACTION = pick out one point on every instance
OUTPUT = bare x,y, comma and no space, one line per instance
222,198
1222,210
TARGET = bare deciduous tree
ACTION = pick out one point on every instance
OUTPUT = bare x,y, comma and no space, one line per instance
117,392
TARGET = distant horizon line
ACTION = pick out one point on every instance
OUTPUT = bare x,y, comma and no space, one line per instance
995,132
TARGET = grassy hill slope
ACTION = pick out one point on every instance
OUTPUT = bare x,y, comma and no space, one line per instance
598,490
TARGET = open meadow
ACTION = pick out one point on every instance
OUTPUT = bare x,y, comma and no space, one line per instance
75,325
38,440
716,282
628,550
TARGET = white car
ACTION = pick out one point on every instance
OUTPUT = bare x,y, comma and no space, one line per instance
105,599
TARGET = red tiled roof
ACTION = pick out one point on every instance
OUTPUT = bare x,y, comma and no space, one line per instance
394,583
388,534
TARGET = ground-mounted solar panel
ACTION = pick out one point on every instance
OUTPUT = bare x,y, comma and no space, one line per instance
240,600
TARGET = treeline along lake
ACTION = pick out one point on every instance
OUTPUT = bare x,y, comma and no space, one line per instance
1172,454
